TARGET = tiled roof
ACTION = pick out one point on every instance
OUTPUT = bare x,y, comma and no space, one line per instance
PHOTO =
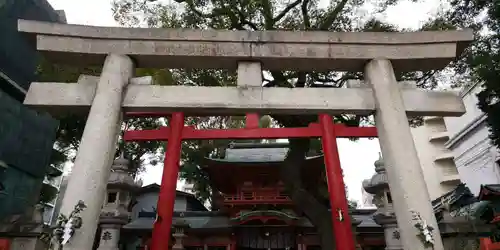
256,155
207,220
459,197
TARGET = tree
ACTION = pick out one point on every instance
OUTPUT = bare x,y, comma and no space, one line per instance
71,126
482,63
339,15
264,15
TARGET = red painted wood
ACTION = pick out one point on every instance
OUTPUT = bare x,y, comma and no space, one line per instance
4,244
238,200
189,133
177,132
496,219
233,242
252,120
166,198
488,244
344,238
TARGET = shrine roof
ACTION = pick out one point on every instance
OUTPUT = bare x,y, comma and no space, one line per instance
255,153
489,192
459,197
213,220
460,204
190,198
156,188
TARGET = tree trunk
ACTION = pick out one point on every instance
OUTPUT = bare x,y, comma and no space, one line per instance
316,212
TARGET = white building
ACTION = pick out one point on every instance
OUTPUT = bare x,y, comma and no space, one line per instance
475,156
436,161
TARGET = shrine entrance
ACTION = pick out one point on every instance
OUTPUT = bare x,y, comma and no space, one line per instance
264,232
379,55
264,238
251,238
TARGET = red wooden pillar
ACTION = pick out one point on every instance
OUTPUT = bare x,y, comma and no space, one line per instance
233,242
4,244
340,215
252,120
166,199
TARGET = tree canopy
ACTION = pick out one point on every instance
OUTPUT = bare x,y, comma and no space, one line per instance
483,58
337,15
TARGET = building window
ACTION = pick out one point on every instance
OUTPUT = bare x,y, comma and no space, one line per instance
112,197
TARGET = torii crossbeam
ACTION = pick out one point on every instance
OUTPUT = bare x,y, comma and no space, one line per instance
326,130
376,54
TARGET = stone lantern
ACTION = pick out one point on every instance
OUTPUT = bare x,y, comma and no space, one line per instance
114,213
179,226
378,186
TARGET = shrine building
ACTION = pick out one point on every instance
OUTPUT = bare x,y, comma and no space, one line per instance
254,210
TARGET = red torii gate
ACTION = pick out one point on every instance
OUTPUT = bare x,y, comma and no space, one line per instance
176,132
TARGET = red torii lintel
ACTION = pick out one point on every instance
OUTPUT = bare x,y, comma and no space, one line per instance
326,129
190,133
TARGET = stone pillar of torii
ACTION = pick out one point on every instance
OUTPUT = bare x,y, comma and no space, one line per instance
379,55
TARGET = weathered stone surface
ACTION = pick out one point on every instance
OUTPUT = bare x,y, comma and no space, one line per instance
406,181
281,50
92,167
249,74
232,100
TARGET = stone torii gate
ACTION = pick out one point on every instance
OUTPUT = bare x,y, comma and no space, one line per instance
122,49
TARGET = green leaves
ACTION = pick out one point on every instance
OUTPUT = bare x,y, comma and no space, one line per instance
482,60
163,77
249,15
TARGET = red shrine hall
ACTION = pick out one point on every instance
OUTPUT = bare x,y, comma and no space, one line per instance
254,208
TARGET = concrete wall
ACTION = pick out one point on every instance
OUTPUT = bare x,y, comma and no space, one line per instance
437,166
474,154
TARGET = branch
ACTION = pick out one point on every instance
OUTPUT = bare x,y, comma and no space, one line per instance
243,20
314,210
332,16
279,79
192,7
286,10
305,15
301,80
267,13
337,83
235,20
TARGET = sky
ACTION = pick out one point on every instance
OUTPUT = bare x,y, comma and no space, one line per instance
356,158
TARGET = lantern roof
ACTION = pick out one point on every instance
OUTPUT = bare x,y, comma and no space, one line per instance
379,180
